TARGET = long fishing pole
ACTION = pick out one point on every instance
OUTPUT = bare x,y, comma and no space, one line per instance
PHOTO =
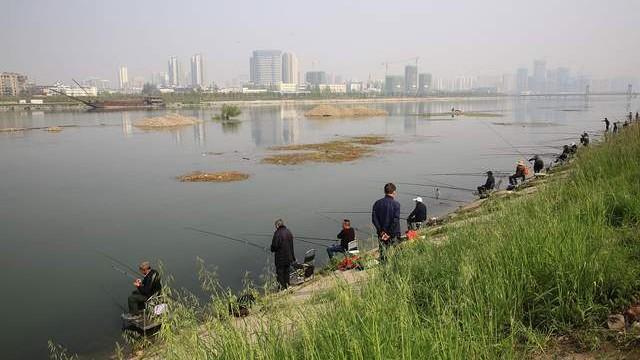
296,236
116,261
124,272
241,241
438,186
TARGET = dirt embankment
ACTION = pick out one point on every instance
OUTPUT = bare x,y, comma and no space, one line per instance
332,111
167,121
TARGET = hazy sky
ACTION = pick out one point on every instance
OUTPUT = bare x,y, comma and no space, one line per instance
56,40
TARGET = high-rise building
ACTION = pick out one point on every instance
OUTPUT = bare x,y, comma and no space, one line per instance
314,78
424,83
174,71
123,78
197,70
266,67
411,80
539,76
290,68
522,80
393,85
12,84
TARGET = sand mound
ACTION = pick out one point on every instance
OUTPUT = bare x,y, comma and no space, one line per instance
53,129
12,129
332,111
223,176
166,121
331,152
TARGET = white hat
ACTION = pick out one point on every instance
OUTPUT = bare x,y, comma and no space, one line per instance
418,199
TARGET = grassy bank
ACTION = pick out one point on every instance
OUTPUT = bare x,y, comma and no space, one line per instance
529,269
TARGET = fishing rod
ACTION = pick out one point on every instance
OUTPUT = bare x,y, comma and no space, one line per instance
124,272
118,262
351,212
500,136
242,241
438,186
435,198
295,236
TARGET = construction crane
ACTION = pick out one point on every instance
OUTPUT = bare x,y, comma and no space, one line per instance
387,63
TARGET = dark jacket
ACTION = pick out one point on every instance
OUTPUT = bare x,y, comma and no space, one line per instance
538,163
386,216
282,246
150,284
490,183
419,213
346,236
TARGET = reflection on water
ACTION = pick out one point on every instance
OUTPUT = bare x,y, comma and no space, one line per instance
200,133
127,126
230,127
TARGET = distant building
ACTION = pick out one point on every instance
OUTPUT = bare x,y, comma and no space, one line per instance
287,88
71,91
463,83
197,70
354,86
334,88
425,83
290,70
411,80
315,78
12,84
174,71
393,85
123,78
266,68
522,80
539,76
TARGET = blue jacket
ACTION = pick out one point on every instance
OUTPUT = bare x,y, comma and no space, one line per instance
386,216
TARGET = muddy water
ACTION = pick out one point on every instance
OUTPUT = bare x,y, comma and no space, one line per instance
105,185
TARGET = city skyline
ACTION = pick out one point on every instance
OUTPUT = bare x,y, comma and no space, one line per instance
470,43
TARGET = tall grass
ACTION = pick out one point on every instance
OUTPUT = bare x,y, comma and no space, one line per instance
541,265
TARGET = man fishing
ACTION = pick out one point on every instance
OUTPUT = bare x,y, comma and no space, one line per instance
146,287
538,164
615,127
385,216
584,139
521,173
606,124
418,215
489,185
346,235
282,247
564,156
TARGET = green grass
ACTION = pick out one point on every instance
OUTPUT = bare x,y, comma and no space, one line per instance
552,263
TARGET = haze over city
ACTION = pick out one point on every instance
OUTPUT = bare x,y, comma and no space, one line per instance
59,40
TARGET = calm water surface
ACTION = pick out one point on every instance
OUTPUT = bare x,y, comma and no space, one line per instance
108,186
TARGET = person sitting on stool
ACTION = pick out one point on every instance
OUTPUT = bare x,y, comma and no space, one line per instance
145,288
346,235
418,215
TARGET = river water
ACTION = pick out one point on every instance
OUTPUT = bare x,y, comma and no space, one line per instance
107,186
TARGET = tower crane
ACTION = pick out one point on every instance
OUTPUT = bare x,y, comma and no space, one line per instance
387,63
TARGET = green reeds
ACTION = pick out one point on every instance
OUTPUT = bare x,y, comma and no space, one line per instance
538,266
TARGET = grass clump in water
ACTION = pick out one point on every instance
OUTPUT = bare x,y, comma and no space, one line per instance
222,176
552,263
332,152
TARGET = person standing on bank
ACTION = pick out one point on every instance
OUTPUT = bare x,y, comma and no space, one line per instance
385,216
145,288
346,235
606,124
538,164
418,215
282,247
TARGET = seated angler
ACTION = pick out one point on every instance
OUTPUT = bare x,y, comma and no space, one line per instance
489,185
145,288
418,215
346,235
565,154
521,173
584,139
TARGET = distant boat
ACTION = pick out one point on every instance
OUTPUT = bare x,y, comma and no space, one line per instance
146,102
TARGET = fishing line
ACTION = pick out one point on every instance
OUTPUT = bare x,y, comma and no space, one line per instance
241,241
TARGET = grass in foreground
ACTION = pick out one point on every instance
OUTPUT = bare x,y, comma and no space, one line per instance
552,263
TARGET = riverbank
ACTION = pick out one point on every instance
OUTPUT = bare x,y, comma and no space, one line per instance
197,103
530,273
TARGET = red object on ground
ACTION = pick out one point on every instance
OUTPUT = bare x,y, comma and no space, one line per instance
412,234
348,263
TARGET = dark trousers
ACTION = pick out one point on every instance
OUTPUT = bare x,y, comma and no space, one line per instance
414,225
334,249
513,179
383,247
537,169
136,302
282,273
